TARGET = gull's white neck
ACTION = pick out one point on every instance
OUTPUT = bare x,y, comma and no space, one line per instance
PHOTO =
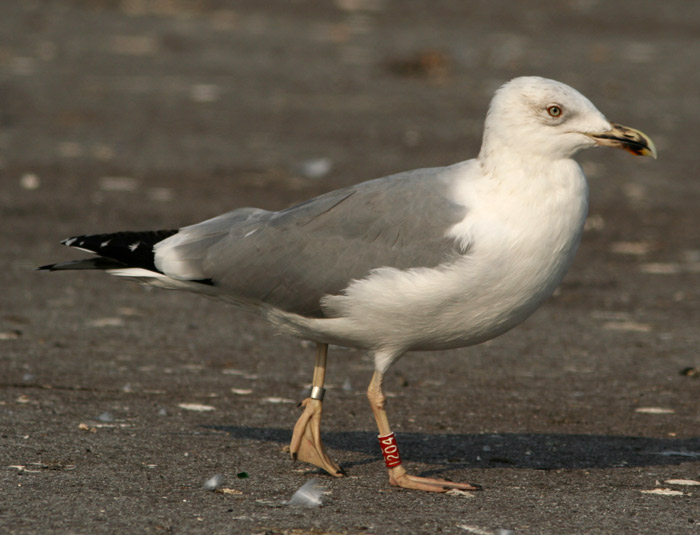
523,228
523,198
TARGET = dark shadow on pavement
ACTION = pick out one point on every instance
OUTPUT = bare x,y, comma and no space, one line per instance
517,450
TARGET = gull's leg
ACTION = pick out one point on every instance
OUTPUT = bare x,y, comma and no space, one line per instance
306,442
397,475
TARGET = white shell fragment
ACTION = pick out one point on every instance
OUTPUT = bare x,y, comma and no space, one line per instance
632,248
160,194
277,400
631,326
475,530
196,407
671,453
686,482
654,410
660,268
316,167
205,93
30,181
664,492
118,183
460,492
480,531
213,482
10,335
106,322
310,494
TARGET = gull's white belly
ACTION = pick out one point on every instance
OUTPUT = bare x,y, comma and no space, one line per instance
456,305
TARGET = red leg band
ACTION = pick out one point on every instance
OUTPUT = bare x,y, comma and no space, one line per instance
390,450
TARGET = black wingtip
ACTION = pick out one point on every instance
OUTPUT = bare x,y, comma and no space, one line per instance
117,249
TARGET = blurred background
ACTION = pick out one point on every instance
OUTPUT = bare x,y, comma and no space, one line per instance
311,95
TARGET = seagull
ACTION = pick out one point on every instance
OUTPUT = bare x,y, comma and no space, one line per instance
429,259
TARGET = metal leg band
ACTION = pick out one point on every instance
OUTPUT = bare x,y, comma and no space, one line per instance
317,392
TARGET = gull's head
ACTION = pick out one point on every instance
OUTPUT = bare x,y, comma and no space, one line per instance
539,117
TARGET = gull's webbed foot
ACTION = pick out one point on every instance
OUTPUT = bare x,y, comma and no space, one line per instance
399,478
306,442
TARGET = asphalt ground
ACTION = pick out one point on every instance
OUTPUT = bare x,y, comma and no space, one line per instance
137,114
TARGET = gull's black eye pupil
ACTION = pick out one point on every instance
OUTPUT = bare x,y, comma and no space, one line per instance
554,111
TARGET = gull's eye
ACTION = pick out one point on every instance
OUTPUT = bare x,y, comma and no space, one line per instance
554,110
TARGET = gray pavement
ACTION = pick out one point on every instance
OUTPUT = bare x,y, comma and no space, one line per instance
141,114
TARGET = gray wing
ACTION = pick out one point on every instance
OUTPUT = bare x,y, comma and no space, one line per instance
292,258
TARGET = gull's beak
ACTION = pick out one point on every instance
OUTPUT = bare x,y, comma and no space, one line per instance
629,139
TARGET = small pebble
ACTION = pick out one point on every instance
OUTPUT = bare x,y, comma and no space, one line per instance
691,372
225,490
